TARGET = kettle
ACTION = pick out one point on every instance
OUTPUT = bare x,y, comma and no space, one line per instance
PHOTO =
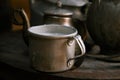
78,7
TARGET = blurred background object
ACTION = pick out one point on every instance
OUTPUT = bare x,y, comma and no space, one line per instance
103,24
5,21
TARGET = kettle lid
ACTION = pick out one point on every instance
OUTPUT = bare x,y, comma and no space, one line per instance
76,3
58,12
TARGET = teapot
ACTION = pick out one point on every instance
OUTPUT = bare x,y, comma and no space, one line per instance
78,7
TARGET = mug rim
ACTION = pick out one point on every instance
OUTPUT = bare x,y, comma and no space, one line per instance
33,33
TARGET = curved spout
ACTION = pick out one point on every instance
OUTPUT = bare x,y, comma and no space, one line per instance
26,25
25,22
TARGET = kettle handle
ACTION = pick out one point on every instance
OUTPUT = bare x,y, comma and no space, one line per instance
82,47
25,22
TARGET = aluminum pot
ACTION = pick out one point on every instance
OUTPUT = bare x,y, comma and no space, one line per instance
52,47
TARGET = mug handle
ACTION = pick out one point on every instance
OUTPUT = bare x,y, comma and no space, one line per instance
82,47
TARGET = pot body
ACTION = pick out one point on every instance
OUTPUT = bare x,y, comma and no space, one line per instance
51,55
103,23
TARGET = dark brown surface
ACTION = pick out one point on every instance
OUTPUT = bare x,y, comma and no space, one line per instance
15,63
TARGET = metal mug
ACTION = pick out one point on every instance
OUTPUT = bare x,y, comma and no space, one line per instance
52,47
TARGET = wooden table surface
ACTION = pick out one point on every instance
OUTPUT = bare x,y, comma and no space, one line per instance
14,53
